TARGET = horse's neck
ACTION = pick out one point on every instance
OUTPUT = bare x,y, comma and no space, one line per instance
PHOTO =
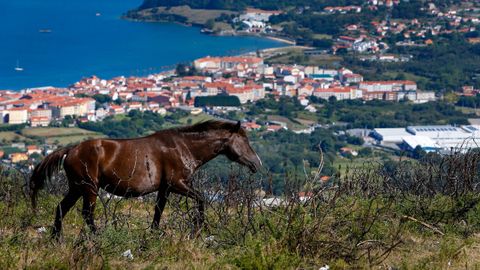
203,147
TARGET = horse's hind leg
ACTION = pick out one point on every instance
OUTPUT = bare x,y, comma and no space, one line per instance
159,206
63,207
89,202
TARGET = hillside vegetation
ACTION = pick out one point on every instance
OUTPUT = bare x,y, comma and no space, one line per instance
183,14
405,215
241,4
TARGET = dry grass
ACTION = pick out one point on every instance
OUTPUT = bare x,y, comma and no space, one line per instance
65,140
55,132
291,125
419,215
9,136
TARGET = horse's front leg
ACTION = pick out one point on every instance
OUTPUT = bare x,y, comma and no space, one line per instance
183,189
162,197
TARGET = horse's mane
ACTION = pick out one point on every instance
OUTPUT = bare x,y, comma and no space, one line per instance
206,126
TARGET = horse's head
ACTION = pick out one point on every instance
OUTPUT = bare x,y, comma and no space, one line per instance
238,149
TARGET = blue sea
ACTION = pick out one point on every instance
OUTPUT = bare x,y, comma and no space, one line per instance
82,44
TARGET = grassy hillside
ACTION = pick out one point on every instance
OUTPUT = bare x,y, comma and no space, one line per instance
54,132
405,215
50,135
183,14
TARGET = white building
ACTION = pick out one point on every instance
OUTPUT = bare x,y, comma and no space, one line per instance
449,137
364,46
254,26
390,135
388,86
425,96
427,144
340,93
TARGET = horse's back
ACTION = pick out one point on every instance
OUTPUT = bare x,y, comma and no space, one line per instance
130,166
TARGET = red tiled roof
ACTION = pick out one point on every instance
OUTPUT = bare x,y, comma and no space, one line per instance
245,60
38,118
334,90
389,82
209,59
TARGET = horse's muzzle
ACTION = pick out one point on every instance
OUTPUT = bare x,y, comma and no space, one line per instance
255,165
253,168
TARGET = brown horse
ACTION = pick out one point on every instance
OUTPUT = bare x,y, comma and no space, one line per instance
162,162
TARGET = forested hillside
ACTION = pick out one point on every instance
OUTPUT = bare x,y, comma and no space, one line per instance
241,4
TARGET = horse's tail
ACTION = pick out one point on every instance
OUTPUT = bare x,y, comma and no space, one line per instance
45,169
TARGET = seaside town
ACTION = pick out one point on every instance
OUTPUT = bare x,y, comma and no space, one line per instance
249,79
246,77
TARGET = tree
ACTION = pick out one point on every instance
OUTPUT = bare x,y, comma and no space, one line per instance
185,70
102,98
210,24
365,152
450,97
323,43
355,140
418,152
188,97
67,121
220,100
118,101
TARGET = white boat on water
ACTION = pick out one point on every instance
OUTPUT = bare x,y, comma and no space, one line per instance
18,68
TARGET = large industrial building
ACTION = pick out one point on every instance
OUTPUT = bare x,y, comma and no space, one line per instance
430,138
389,135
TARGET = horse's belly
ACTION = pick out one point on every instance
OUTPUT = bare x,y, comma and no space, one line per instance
129,191
130,180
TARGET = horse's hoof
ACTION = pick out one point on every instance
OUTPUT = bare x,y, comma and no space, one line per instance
56,236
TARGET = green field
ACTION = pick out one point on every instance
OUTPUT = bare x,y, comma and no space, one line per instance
55,132
322,36
196,118
9,136
193,16
52,135
290,124
65,140
184,120
468,110
305,115
393,75
296,56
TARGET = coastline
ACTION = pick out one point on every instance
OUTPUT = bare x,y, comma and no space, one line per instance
158,21
282,44
275,38
279,39
289,43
